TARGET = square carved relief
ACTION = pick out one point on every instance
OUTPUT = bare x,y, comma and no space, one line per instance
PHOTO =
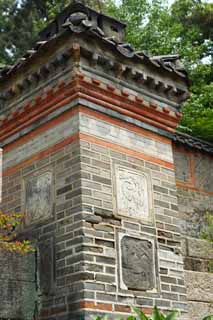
38,197
133,193
137,263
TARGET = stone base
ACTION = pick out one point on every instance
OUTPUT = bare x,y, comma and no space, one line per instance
198,310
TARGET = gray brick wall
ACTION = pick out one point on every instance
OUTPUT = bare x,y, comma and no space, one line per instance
57,238
80,237
103,228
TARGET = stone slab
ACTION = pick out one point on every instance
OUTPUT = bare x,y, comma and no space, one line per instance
124,137
46,266
199,248
133,194
38,197
17,286
199,286
137,263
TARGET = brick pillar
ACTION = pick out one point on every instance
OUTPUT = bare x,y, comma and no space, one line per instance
86,132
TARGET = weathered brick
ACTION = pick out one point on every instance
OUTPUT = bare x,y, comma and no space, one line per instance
94,286
144,301
73,194
90,248
91,218
90,200
105,260
103,212
105,278
94,267
105,243
90,154
162,204
162,303
105,297
79,257
160,189
101,180
101,164
132,226
167,279
64,189
102,195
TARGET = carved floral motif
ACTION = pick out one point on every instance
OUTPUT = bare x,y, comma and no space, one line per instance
132,193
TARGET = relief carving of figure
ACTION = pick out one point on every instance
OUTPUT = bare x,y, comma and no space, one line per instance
38,197
137,263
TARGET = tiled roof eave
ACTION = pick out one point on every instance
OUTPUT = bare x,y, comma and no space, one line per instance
193,142
124,49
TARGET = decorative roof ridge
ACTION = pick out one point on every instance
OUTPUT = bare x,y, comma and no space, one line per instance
79,18
193,142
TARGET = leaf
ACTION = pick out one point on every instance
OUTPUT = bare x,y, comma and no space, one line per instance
131,318
210,317
172,315
156,315
140,313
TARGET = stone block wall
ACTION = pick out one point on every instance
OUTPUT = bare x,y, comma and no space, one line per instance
195,189
18,294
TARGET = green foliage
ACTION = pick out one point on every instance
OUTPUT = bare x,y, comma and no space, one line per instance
210,267
21,21
208,318
8,241
156,315
183,28
207,232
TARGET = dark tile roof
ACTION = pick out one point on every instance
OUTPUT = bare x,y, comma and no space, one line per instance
193,142
79,18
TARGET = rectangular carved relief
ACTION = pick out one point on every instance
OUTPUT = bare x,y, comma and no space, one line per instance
38,197
133,194
137,263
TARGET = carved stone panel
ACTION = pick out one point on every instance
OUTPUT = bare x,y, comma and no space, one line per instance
137,264
38,197
133,194
46,266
